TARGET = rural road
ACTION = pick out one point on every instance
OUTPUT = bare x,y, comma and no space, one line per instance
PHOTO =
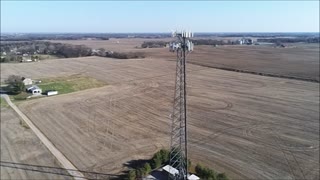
72,170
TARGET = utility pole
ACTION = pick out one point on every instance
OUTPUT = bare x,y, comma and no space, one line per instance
179,153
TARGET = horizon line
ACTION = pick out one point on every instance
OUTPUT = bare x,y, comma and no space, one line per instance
153,32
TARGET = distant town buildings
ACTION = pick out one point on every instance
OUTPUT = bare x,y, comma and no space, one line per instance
95,51
282,45
26,58
245,41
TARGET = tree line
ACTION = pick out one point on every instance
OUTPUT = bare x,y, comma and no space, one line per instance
78,36
118,55
160,44
14,51
161,158
212,42
15,84
290,40
154,44
209,174
37,37
41,47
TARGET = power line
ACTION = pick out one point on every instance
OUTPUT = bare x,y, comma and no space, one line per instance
56,170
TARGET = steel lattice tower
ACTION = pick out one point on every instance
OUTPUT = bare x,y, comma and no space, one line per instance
178,153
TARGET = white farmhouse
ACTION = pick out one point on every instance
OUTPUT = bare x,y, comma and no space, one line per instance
26,81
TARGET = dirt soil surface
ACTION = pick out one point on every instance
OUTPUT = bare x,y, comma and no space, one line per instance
113,44
20,145
249,126
298,60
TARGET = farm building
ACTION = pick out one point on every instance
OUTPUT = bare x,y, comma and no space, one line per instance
246,41
26,60
26,81
193,177
282,45
171,171
34,90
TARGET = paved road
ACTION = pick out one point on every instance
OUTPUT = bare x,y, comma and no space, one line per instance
60,157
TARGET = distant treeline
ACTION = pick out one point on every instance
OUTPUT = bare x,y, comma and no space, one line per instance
154,44
141,168
46,38
118,55
15,51
212,42
42,47
159,44
51,37
253,34
290,40
106,36
75,36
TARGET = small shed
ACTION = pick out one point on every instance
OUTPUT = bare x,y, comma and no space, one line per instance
26,81
172,172
193,177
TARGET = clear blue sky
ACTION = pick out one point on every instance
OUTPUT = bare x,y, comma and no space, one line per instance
159,16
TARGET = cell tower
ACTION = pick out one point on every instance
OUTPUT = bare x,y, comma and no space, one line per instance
178,154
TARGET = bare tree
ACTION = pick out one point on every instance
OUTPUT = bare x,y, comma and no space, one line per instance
16,82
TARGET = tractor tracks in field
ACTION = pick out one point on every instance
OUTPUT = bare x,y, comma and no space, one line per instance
253,131
287,154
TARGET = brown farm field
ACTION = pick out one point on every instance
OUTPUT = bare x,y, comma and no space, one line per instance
20,145
298,60
249,126
113,44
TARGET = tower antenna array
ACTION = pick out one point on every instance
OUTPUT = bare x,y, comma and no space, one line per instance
179,153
